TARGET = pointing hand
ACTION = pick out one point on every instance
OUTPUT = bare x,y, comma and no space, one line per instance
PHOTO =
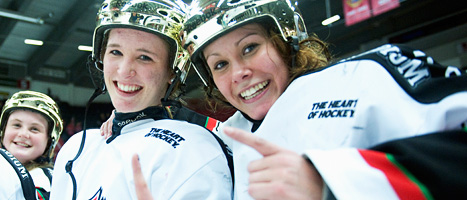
281,173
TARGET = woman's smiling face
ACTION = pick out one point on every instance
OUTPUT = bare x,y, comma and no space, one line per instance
247,69
136,69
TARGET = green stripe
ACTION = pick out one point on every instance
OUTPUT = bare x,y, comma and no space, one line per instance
206,124
409,175
39,193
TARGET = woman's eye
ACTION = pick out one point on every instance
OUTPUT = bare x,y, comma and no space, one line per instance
145,58
249,48
115,52
220,65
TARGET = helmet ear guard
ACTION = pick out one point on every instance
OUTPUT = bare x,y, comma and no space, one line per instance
95,69
300,27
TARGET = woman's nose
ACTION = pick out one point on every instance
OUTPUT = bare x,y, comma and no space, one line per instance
126,68
241,71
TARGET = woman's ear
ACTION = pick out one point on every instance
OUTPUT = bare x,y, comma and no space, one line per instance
172,77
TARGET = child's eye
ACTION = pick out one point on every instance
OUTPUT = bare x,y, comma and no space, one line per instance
36,129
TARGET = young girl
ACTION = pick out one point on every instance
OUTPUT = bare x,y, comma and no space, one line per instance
30,127
140,61
255,55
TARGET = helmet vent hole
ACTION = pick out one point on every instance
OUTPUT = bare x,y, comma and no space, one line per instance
176,19
162,12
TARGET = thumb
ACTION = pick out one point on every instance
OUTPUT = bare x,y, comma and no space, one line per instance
263,147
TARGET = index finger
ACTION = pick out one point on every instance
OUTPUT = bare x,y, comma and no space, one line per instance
264,147
141,187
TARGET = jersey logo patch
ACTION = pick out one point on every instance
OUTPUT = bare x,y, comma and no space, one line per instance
333,109
170,137
412,69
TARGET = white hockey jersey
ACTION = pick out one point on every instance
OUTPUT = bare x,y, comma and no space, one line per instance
42,181
22,184
10,184
179,161
384,94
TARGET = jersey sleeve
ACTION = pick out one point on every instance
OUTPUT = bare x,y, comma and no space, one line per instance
430,166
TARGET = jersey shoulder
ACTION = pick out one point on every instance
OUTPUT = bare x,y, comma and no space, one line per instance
418,74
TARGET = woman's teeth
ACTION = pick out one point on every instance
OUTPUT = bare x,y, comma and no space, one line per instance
128,88
254,91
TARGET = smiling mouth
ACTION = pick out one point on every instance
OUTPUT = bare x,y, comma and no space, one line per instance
22,144
254,91
128,88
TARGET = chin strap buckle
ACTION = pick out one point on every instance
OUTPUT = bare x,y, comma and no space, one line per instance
293,41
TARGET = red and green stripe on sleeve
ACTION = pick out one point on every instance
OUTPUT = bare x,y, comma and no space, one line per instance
403,182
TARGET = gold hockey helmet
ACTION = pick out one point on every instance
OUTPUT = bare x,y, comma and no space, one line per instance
161,17
38,102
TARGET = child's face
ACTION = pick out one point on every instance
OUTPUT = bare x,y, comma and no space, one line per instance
26,135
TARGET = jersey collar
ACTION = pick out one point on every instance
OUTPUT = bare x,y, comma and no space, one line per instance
123,119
